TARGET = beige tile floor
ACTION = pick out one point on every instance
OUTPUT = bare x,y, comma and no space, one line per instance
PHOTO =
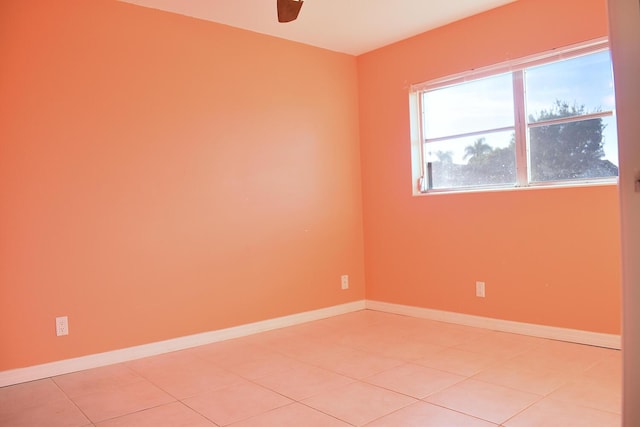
360,369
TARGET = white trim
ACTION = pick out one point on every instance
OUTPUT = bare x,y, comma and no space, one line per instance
31,373
551,332
46,370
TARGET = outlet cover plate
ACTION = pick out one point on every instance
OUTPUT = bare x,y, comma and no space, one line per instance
344,279
62,325
480,289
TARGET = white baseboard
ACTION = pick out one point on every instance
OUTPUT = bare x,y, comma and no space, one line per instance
31,373
551,332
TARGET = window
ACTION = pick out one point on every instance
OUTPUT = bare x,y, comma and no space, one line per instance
540,121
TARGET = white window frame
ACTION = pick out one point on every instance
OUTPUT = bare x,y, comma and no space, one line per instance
521,127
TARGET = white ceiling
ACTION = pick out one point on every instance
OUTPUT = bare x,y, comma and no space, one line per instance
349,26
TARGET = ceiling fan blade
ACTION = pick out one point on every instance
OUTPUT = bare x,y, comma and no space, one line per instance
288,10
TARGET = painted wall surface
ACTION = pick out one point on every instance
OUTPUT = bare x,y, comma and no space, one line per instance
548,256
162,176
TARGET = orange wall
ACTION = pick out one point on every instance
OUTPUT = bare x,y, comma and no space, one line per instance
162,176
549,256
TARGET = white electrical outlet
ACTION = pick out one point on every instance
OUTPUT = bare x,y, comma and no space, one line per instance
480,289
344,279
62,325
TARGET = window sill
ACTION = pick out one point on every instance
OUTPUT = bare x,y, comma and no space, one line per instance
544,186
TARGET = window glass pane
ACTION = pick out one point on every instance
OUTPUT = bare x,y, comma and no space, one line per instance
488,159
569,88
479,105
468,129
576,150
